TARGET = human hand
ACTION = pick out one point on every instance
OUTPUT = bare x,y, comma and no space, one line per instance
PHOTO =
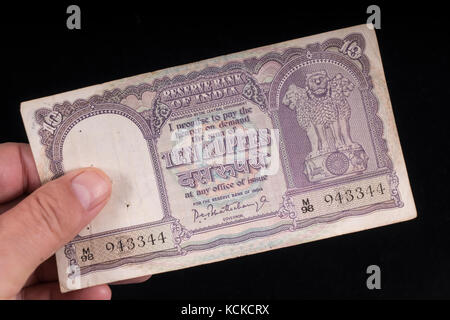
33,227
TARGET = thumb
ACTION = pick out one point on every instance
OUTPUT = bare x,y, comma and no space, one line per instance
47,219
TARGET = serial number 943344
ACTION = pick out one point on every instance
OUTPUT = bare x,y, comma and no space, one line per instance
355,194
131,243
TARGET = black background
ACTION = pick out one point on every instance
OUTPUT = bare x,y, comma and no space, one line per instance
42,57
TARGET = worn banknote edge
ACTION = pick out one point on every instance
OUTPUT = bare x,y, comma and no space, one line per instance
312,233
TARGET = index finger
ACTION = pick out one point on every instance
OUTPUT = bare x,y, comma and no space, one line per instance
18,173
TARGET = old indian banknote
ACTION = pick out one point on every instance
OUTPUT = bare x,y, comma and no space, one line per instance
235,155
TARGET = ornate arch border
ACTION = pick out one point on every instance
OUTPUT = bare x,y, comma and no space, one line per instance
369,101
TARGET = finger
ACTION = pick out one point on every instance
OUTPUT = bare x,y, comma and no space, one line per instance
132,281
10,204
46,272
51,291
18,173
46,220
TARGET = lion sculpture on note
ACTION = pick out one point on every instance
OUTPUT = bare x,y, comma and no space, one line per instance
324,113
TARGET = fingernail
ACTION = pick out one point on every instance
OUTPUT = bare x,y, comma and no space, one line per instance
90,188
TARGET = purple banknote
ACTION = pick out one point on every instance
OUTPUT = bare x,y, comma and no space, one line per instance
235,155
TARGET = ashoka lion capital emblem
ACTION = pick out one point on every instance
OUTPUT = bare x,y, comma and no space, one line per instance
323,111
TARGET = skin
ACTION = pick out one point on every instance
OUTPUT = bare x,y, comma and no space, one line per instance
35,221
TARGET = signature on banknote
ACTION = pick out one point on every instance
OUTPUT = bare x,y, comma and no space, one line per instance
229,207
